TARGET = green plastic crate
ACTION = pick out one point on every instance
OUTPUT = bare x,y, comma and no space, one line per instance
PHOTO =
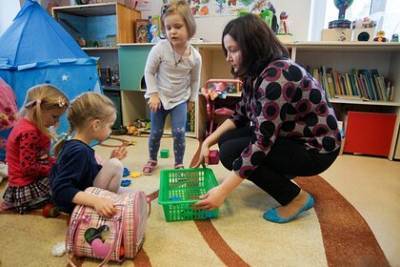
181,188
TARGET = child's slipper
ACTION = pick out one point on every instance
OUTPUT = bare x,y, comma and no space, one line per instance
149,168
179,166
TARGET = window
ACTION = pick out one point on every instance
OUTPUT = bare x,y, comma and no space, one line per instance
386,13
8,10
359,9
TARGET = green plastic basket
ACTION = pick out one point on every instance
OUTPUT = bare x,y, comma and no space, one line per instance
181,188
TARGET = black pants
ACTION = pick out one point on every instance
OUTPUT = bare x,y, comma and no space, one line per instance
287,159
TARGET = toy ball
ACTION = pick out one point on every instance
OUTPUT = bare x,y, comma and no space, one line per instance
100,249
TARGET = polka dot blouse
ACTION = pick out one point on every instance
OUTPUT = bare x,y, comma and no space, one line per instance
284,101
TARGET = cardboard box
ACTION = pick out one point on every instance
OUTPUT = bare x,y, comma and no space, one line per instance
343,35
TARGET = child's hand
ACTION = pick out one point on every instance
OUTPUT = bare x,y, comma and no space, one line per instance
154,102
105,207
119,153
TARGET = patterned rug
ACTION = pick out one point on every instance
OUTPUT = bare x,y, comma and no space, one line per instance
331,234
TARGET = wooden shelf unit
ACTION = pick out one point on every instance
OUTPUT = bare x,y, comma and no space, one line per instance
385,57
98,22
125,17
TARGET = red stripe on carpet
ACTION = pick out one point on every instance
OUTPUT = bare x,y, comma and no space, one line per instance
216,242
348,240
153,195
142,259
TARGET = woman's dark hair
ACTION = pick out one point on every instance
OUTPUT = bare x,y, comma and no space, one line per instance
257,42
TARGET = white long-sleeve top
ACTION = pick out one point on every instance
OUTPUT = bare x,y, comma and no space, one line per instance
175,78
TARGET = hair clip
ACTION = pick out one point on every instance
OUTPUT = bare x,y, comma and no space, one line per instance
61,102
164,8
32,103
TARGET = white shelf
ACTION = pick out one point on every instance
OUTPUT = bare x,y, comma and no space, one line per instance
364,102
104,48
134,44
100,9
347,46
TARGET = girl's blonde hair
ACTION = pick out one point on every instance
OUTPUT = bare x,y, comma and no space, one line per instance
182,8
84,108
43,98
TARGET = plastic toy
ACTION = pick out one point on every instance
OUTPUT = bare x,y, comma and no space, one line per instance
135,174
164,153
341,22
175,198
50,211
395,38
283,24
380,37
126,183
218,88
126,172
213,157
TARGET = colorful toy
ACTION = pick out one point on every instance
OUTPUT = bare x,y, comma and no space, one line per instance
283,24
126,183
50,211
341,22
218,88
126,172
395,38
135,174
164,153
175,198
213,157
380,37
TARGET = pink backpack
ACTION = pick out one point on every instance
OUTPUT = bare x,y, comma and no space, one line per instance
116,238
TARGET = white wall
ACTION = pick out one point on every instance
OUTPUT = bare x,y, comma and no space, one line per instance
8,10
210,27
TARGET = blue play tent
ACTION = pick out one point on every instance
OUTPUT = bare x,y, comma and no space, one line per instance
35,49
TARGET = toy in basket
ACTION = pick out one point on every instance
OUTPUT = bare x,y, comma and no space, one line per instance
116,238
181,188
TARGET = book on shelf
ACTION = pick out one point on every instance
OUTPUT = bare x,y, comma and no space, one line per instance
363,84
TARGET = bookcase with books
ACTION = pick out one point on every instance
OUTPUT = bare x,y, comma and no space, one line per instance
357,76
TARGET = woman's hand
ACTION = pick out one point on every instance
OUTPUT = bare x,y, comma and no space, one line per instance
216,196
105,207
119,153
203,156
212,199
154,102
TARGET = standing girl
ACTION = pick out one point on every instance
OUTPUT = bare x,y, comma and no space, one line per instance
91,116
283,126
28,148
172,76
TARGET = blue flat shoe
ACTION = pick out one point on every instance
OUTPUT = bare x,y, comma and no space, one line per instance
273,216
